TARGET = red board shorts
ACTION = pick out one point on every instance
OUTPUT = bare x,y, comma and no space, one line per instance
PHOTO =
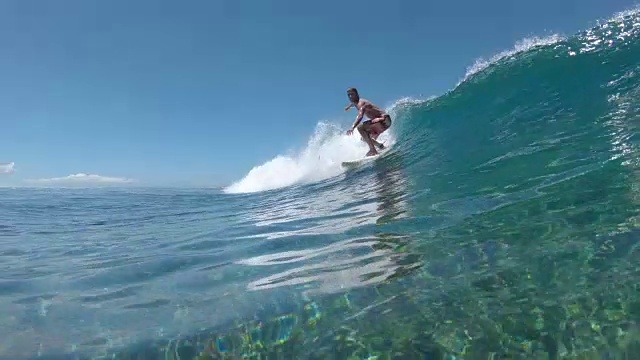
377,126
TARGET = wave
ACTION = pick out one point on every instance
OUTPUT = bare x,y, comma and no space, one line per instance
328,146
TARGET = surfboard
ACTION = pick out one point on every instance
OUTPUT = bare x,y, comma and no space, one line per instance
365,159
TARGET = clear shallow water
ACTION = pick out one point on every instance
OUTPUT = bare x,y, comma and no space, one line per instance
503,222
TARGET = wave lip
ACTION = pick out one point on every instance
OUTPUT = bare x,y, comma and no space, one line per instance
521,46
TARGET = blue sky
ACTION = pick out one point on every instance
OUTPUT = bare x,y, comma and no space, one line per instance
199,92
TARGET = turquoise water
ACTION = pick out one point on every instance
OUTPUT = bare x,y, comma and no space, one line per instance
502,223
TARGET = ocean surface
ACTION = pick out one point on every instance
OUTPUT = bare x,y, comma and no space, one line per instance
501,224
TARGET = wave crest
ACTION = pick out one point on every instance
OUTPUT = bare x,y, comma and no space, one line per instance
521,46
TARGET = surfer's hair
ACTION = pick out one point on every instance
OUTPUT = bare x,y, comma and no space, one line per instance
353,90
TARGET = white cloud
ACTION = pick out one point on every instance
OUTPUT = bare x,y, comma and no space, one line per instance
84,179
7,168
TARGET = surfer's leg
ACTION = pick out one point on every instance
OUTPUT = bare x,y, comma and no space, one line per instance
377,127
374,140
364,130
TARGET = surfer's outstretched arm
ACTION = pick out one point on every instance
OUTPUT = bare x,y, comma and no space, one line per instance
358,119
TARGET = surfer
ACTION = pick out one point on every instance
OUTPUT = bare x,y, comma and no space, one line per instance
379,121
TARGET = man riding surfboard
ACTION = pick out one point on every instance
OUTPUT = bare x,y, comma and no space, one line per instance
378,121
